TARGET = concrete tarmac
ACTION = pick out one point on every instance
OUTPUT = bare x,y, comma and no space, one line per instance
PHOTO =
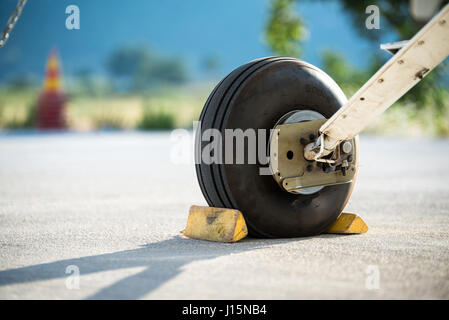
110,206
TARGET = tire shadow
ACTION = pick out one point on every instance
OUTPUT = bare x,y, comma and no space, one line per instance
162,261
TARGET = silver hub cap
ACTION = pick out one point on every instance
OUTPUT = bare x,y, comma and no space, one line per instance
301,116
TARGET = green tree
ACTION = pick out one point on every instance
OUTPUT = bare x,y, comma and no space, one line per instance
137,68
285,29
285,32
342,71
396,18
127,61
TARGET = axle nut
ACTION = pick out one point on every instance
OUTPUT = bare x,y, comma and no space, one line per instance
347,147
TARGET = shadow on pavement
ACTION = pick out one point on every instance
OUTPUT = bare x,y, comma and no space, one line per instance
163,261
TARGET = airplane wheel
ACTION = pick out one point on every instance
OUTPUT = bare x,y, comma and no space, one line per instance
256,96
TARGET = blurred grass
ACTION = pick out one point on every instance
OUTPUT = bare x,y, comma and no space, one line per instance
178,107
161,110
17,108
155,116
406,119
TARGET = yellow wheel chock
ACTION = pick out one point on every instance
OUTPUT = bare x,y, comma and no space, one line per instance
228,225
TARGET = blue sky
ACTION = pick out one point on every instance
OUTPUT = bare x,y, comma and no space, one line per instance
190,29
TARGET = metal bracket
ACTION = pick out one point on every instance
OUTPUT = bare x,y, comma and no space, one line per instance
293,172
394,47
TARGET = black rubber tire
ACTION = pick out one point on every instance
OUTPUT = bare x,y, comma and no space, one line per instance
256,95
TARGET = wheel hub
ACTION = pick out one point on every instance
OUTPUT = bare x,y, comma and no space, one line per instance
291,170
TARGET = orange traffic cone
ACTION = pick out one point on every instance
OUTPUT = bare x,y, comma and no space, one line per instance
51,102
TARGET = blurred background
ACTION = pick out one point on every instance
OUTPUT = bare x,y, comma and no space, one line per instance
150,65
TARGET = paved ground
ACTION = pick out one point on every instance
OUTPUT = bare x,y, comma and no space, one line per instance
112,204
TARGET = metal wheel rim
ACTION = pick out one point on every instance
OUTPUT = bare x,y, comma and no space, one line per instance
297,116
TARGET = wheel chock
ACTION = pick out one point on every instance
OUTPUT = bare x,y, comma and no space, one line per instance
215,224
348,223
228,225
